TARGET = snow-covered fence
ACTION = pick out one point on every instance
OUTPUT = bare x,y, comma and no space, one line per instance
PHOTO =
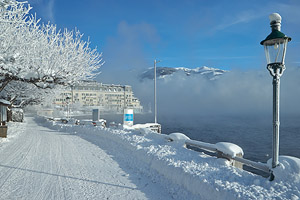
155,127
232,152
257,165
229,151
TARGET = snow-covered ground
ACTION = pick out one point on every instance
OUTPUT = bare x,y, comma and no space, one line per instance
65,161
39,163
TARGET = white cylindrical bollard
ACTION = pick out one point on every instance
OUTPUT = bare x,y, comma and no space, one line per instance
128,117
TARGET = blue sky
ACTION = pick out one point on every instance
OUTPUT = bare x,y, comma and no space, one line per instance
186,33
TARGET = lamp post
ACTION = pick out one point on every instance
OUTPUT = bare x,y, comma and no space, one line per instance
275,46
68,107
155,103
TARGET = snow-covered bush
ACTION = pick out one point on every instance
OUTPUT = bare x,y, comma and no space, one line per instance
17,115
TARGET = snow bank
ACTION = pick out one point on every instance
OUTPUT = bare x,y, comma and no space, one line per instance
288,169
13,131
185,173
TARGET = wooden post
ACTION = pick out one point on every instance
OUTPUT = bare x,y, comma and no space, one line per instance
234,163
3,131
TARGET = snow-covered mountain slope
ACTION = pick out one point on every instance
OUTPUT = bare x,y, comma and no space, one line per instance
162,72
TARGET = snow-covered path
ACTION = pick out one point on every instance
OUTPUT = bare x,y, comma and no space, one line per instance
45,164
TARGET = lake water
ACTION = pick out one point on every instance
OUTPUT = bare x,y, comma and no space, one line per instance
252,133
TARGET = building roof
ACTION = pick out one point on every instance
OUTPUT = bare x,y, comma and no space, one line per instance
4,102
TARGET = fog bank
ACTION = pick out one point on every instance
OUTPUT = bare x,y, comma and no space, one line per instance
234,93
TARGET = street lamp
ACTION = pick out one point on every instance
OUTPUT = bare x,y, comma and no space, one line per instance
68,107
155,101
275,46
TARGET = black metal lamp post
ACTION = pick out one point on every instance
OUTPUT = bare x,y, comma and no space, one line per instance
275,49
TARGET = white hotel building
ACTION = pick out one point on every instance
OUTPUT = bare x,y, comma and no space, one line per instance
107,97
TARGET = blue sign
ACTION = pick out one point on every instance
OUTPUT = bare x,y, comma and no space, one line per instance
128,117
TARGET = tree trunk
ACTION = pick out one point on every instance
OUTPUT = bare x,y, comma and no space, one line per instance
9,113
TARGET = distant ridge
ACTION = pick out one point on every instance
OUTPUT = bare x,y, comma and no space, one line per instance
162,72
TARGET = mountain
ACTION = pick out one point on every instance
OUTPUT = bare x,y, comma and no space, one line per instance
162,72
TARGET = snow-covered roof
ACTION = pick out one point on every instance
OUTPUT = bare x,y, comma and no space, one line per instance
5,102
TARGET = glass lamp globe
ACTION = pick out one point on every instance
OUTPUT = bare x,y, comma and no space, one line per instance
276,43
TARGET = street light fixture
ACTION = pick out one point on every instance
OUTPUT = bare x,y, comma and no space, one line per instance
275,46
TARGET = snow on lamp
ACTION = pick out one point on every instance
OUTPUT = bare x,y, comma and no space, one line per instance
275,46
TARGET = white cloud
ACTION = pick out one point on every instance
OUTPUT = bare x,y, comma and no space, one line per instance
289,11
127,47
243,17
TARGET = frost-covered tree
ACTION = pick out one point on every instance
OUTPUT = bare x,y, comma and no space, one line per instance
40,54
22,94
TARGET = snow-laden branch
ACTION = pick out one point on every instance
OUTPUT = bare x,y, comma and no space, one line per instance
40,54
26,93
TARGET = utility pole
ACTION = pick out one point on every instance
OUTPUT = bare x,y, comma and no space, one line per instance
155,103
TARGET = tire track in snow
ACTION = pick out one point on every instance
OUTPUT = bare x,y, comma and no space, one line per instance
13,155
46,164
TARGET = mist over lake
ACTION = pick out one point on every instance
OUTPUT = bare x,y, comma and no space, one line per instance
236,107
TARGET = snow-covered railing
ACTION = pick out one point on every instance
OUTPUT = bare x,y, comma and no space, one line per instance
257,165
229,151
155,127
